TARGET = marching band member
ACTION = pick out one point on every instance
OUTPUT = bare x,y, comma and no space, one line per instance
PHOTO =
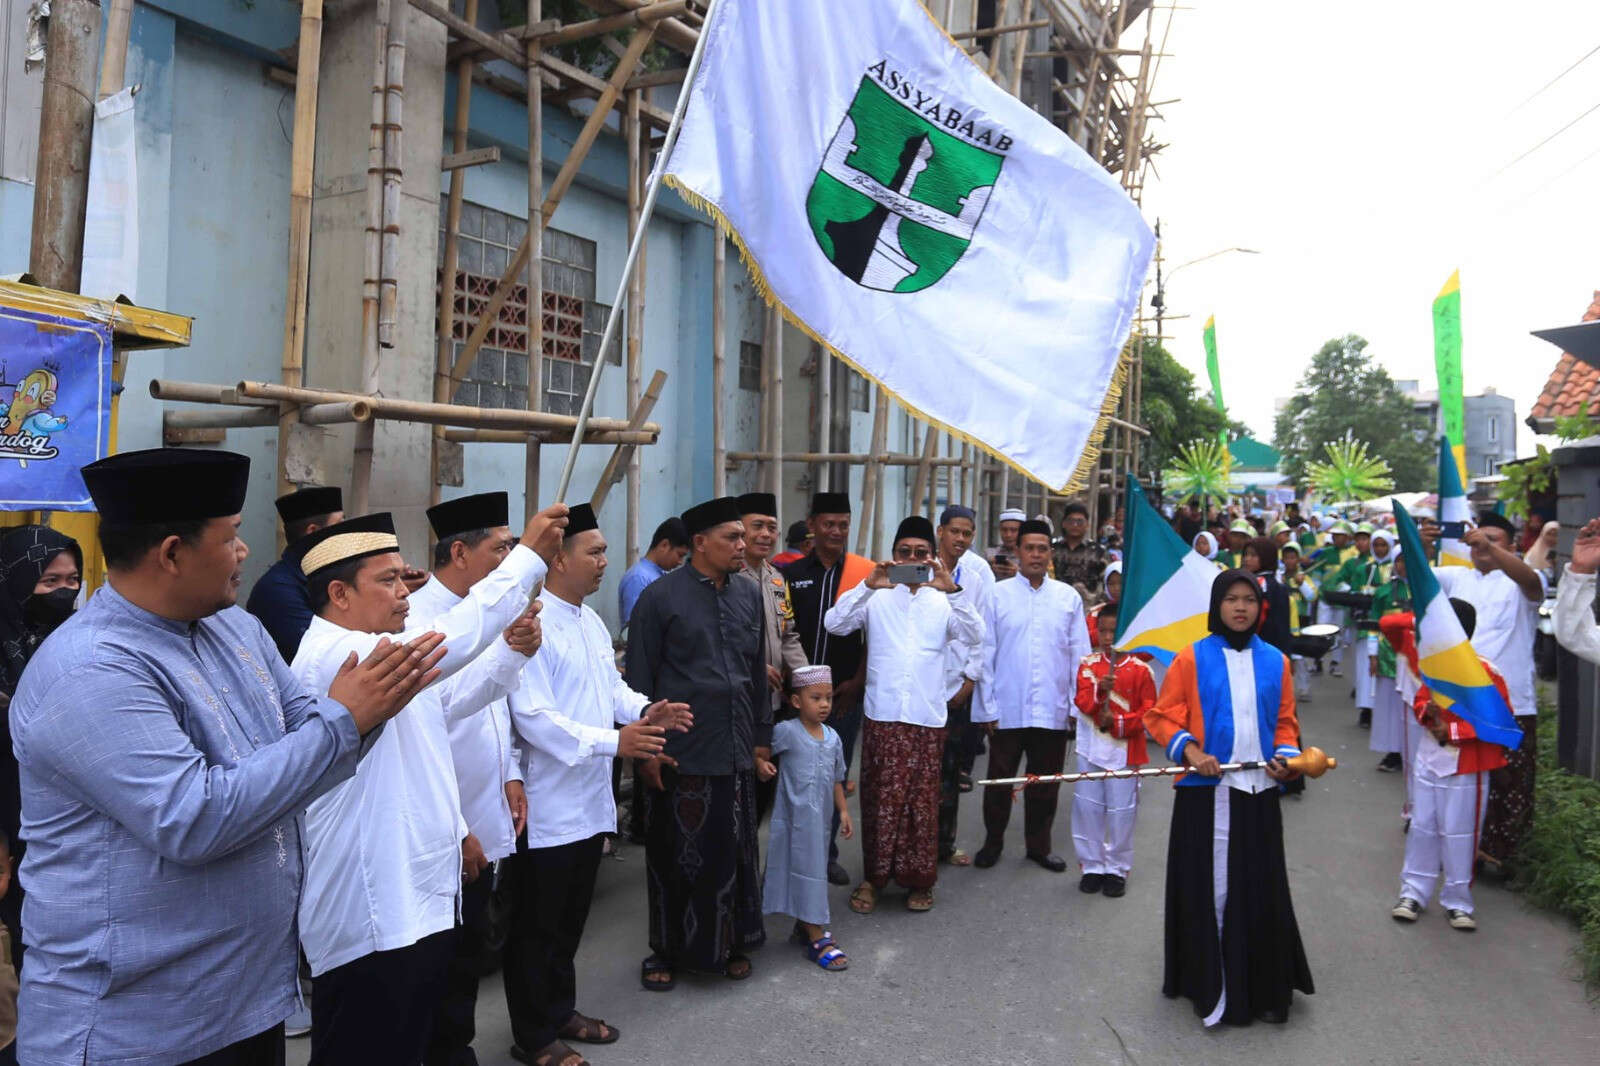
1232,945
1114,692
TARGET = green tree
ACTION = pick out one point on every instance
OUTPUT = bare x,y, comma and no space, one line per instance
1344,391
1172,410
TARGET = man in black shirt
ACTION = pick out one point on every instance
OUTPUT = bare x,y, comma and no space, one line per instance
697,637
816,581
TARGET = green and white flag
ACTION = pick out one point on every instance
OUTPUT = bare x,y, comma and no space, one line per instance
930,229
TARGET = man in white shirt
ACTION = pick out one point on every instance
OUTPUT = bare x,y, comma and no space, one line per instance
963,667
384,851
1574,616
908,627
1038,637
472,540
1506,592
567,709
1003,557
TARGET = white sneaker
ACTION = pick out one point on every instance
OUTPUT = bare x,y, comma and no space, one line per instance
1406,909
1462,920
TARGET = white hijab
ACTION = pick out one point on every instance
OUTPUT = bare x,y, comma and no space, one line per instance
1208,553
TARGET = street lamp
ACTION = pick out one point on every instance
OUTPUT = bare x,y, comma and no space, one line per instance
1159,300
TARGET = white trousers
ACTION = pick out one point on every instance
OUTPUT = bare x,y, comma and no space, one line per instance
1388,731
1102,822
1446,816
1414,736
1302,677
1360,657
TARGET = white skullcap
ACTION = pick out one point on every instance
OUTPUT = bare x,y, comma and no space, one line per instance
811,675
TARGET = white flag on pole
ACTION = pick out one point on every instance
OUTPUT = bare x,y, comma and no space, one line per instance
928,227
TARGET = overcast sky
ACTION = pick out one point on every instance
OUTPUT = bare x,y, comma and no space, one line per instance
1363,147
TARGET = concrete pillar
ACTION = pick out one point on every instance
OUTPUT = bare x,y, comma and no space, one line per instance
401,452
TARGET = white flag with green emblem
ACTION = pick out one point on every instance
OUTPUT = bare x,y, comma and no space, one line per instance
930,229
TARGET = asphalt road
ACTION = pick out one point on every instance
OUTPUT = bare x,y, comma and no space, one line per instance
1014,965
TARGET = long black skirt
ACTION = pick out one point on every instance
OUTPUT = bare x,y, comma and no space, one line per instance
1257,962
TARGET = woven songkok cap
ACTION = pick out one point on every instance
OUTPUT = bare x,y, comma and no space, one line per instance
357,538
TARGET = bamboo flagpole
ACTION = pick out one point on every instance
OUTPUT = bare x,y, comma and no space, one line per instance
634,246
1313,762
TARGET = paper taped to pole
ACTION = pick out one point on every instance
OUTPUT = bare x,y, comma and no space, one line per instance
926,226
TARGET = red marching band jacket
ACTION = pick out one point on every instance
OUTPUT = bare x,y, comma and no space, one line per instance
1476,755
1133,692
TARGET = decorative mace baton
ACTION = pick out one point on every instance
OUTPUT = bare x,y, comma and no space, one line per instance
1313,762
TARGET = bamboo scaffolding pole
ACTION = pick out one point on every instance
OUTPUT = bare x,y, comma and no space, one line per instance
764,404
114,62
447,414
625,454
775,470
637,177
851,458
361,463
719,333
579,82
394,70
303,155
1019,49
996,31
199,392
1099,152
822,360
578,31
872,478
558,189
472,157
532,458
919,485
241,417
500,47
673,32
445,339
462,435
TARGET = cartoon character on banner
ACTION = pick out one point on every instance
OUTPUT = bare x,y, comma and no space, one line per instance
26,421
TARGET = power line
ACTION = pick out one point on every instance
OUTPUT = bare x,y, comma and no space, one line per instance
1586,56
1546,141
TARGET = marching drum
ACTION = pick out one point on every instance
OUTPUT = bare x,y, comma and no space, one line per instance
1313,642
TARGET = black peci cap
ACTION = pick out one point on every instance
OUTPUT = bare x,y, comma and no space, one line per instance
703,516
486,510
168,485
309,503
762,503
580,519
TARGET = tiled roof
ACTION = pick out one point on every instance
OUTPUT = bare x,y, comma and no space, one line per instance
1574,386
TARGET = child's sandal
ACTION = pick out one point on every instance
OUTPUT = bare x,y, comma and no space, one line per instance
826,954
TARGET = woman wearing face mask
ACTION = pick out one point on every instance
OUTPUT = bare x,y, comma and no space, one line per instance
1232,945
40,570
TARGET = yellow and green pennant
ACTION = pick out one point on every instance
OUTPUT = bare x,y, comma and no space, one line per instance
1447,365
1214,371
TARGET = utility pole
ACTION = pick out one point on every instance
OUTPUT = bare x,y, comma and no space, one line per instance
66,127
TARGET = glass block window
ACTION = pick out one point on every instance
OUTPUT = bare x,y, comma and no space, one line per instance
749,366
572,321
